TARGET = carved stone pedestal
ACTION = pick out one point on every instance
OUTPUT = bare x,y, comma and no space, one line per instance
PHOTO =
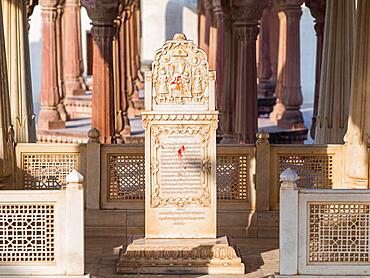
180,256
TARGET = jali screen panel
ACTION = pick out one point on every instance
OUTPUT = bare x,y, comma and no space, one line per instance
314,170
47,170
27,233
338,233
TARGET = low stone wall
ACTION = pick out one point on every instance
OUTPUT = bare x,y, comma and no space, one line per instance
42,232
324,232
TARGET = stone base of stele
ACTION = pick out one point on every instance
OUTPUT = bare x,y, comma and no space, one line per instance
180,256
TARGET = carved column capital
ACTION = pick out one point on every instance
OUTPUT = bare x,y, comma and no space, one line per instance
248,12
102,12
50,4
317,9
30,4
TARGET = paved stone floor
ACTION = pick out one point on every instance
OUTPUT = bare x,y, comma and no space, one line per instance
260,256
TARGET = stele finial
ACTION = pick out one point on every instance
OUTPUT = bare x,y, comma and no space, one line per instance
179,37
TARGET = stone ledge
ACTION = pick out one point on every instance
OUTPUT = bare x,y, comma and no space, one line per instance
319,276
180,256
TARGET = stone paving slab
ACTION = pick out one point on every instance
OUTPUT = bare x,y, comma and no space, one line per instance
260,256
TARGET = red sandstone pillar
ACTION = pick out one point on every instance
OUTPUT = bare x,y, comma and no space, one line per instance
273,23
72,59
103,14
289,96
246,15
264,69
201,25
49,117
124,61
218,15
208,23
227,107
317,8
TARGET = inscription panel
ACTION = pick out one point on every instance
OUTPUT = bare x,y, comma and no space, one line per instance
182,188
181,167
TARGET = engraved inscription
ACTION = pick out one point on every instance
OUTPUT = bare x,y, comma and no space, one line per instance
180,166
181,216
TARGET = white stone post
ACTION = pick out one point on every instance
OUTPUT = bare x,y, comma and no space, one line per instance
288,242
93,170
74,225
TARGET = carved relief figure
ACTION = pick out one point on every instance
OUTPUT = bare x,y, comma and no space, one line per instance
198,86
180,73
162,92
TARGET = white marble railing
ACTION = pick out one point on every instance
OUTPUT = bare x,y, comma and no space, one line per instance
323,231
42,232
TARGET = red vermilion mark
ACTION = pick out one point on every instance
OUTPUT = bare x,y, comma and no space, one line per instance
180,151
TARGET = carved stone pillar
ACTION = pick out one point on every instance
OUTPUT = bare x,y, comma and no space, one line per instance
357,137
317,8
72,58
246,15
49,117
227,107
219,18
124,62
273,23
6,144
60,38
19,70
202,25
288,87
103,13
264,68
335,84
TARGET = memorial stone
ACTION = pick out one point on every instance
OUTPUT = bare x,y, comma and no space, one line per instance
180,124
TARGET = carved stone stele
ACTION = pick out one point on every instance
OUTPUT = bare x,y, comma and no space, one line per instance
180,124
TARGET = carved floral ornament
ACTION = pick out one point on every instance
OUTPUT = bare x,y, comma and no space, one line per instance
180,73
204,199
148,118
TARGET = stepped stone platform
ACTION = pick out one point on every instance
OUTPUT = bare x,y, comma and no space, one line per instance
180,256
260,257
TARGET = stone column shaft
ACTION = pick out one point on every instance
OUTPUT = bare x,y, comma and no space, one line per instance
246,29
335,82
317,8
19,70
6,152
60,36
103,13
227,107
264,68
288,91
72,58
49,117
219,22
357,136
124,61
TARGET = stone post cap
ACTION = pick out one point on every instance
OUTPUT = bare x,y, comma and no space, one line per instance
94,135
74,177
289,176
